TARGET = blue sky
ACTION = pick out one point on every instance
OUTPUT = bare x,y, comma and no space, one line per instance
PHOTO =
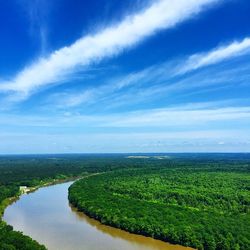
124,76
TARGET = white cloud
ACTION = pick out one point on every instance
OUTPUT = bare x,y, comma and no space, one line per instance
217,55
180,117
155,82
191,115
192,127
110,41
104,92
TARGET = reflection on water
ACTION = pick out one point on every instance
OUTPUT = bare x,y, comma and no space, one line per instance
46,216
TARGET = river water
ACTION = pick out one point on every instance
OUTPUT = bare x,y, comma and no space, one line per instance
47,217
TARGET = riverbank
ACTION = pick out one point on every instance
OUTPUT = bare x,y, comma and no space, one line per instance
8,201
5,203
16,237
46,216
146,202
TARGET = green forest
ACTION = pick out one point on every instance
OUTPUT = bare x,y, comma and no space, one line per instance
33,171
201,203
37,170
198,200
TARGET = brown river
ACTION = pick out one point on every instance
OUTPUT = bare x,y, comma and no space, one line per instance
47,217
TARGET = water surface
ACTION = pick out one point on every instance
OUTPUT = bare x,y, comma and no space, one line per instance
47,217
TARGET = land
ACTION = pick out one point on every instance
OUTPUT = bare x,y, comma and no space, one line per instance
24,174
201,203
34,171
198,200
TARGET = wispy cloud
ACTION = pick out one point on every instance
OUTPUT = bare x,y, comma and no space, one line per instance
38,12
162,14
192,127
180,117
216,55
159,81
176,116
113,86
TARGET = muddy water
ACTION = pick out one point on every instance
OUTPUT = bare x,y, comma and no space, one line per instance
46,216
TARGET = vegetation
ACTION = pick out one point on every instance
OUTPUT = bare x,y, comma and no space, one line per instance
30,171
9,239
202,202
37,170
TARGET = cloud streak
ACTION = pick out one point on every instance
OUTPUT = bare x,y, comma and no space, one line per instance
216,55
38,13
165,129
181,117
110,41
211,113
161,80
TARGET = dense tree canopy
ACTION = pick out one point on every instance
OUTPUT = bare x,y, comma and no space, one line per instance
35,170
201,200
203,204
